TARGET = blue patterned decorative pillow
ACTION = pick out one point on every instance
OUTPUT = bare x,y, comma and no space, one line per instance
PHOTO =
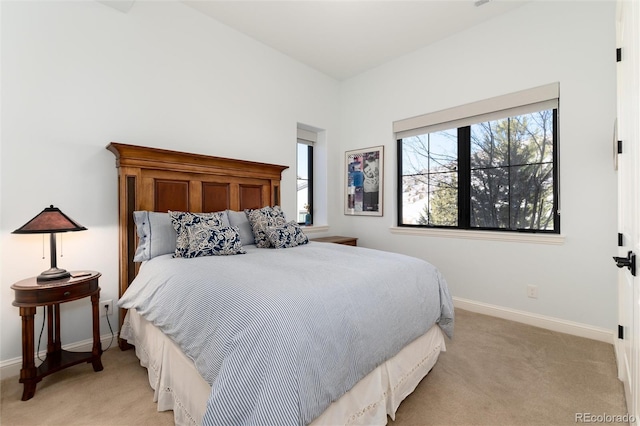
262,218
180,220
208,241
288,235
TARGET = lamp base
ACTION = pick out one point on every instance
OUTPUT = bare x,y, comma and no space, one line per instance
52,274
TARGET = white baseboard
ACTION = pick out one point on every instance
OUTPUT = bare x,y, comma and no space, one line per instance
11,367
549,323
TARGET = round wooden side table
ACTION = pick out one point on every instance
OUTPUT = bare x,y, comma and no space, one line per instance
29,294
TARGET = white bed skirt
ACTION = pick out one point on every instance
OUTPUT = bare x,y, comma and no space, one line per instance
179,387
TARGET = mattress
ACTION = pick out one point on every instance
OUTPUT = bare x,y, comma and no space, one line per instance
179,387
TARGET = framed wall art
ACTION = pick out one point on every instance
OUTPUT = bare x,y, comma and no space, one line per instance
363,192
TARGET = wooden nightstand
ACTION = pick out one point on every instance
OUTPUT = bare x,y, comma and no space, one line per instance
347,241
30,294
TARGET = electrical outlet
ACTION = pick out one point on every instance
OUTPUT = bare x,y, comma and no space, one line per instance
106,307
532,291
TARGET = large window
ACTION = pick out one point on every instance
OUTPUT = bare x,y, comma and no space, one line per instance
304,180
499,173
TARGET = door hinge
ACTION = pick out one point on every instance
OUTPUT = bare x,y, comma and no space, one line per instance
619,54
619,147
620,332
620,240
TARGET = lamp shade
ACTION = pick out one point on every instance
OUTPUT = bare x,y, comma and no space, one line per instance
50,220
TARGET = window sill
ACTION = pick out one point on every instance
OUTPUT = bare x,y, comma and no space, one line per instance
550,239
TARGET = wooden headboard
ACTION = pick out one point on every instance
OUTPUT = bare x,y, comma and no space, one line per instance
160,180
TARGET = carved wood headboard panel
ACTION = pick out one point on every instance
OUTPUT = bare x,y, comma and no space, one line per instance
160,180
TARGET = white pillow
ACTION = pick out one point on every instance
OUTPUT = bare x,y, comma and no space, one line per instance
156,235
241,220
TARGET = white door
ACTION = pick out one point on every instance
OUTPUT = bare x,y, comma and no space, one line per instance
628,161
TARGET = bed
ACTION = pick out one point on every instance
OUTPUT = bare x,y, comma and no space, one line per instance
314,333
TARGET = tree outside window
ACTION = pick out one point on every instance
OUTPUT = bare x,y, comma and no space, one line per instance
495,175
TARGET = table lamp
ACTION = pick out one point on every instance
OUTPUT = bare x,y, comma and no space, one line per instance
51,221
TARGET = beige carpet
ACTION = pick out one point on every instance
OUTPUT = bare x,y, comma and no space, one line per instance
495,372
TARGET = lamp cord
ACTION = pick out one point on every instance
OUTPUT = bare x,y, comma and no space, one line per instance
111,329
44,315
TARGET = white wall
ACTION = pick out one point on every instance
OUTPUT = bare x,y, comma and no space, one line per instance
77,75
539,43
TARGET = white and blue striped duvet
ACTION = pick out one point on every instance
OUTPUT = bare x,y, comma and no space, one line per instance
280,334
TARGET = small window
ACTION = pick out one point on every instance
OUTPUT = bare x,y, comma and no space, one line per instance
499,174
304,180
